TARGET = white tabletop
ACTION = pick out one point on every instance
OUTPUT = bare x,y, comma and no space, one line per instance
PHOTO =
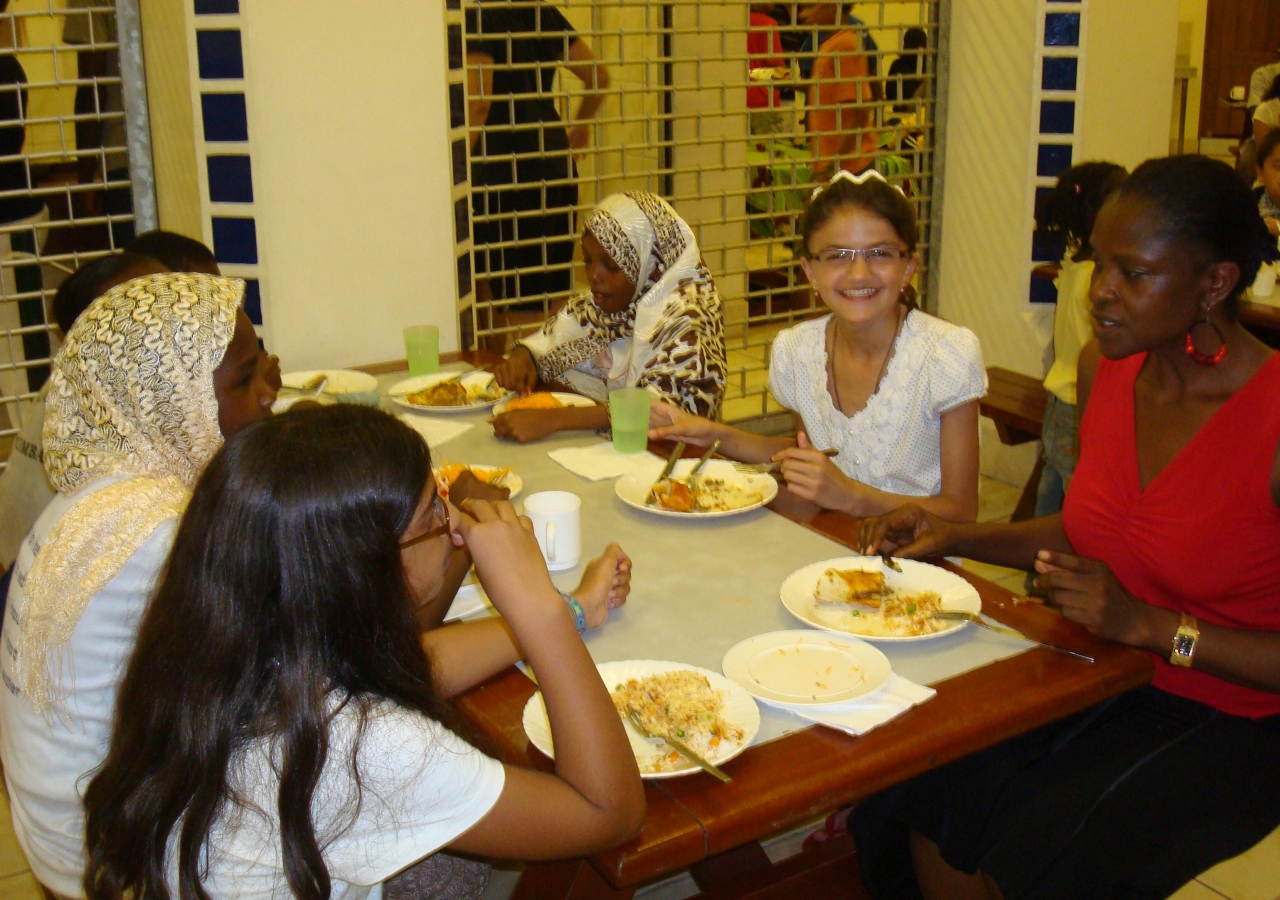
698,588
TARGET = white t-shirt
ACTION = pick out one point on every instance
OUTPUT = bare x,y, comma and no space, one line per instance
1268,113
46,759
894,443
24,488
420,787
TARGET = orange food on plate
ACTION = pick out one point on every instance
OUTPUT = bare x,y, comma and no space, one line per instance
540,400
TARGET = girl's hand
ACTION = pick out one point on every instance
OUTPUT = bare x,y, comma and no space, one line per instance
605,585
506,553
668,422
1087,592
909,532
525,425
812,475
468,487
518,372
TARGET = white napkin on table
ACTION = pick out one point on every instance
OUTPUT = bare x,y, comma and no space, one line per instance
435,431
859,716
597,462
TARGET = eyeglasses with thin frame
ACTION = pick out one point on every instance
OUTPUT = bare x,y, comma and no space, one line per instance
874,257
439,510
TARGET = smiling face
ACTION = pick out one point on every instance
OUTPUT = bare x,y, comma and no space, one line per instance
611,289
855,290
244,396
1148,287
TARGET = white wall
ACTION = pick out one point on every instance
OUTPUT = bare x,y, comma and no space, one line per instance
350,167
1128,77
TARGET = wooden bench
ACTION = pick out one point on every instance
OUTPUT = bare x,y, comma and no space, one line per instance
1015,403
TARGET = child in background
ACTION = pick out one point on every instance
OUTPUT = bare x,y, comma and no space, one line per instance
1068,213
1268,162
893,389
177,251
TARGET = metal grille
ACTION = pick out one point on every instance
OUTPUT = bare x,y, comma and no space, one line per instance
732,119
66,192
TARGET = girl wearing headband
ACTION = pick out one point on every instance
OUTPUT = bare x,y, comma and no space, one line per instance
890,389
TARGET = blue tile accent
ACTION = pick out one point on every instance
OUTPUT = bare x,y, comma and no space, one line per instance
235,240
1057,117
464,274
461,220
225,117
218,53
459,161
1062,29
217,7
1052,160
253,300
230,179
455,46
457,106
1042,291
1059,73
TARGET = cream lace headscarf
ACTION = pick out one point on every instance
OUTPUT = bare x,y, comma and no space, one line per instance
131,394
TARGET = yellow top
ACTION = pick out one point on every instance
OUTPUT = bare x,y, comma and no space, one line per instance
1072,327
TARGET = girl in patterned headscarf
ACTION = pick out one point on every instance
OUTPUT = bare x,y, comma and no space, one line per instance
651,319
151,378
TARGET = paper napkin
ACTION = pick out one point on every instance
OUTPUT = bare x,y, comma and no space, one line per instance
859,716
435,431
597,462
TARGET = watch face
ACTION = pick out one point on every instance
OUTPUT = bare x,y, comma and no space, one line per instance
1182,644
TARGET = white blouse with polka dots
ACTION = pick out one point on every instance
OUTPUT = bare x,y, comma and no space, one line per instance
894,443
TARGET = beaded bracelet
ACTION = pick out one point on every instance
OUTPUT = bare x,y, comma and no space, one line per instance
579,614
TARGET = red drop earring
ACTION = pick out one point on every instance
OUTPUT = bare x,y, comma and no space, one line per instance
1206,359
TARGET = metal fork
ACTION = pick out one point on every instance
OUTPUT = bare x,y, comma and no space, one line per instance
1000,629
762,468
678,747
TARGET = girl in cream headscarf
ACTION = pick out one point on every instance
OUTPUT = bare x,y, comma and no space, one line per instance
651,319
149,381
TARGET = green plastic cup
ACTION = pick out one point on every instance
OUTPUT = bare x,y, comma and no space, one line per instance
422,349
629,419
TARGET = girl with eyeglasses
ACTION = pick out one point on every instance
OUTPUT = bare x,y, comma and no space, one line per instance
280,731
886,396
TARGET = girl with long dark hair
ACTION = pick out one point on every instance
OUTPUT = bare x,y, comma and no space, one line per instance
279,728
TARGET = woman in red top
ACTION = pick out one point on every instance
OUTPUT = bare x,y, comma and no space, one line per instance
1169,541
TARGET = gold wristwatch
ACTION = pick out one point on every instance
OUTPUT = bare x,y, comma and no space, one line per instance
1184,641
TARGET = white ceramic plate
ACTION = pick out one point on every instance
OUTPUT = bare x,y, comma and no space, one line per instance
633,489
806,668
409,385
566,399
739,709
511,481
341,381
954,591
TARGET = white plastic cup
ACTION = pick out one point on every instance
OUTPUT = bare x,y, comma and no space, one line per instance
557,524
1238,93
1265,283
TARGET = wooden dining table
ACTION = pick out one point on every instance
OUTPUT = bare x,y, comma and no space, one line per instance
713,830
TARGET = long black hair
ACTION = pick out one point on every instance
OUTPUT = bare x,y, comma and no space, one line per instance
284,593
1205,204
874,195
1067,212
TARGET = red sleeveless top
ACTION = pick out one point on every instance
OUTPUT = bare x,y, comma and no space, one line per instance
1204,536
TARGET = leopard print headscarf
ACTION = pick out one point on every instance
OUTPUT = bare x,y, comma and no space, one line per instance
131,394
674,322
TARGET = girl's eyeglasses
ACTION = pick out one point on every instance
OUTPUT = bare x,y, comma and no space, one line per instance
874,257
439,512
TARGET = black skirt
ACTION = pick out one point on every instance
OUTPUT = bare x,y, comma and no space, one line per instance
1129,799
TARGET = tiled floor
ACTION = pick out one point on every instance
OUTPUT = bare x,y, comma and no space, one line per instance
1254,875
